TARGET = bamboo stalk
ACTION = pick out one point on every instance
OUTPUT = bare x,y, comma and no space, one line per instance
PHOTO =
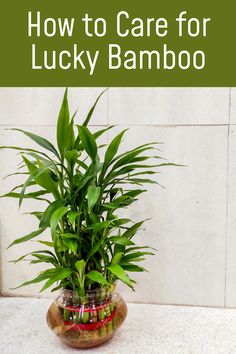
112,307
110,328
101,314
107,311
66,315
85,317
103,331
77,317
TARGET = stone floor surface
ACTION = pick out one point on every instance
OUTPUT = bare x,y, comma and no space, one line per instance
148,329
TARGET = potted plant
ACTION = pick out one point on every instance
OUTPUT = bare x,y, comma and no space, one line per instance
91,245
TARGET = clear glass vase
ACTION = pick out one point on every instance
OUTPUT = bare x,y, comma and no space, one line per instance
88,321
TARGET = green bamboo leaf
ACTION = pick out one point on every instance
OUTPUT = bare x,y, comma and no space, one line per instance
92,196
60,286
33,253
120,222
97,227
69,235
143,173
98,264
21,185
37,214
123,171
141,181
77,143
33,195
15,174
40,141
133,229
27,237
19,148
82,164
46,217
88,142
97,277
80,267
63,125
70,135
31,178
96,135
57,216
130,168
119,272
123,241
94,249
102,131
42,276
72,216
38,157
46,243
118,203
138,149
71,244
133,268
40,258
134,260
129,157
104,256
92,109
131,249
170,164
135,255
131,194
71,156
41,176
23,150
45,252
112,150
22,258
80,181
117,258
59,274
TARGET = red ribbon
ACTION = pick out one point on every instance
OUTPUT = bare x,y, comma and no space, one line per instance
90,326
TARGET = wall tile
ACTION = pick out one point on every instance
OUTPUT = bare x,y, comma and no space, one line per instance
233,106
188,225
168,106
231,237
40,106
188,218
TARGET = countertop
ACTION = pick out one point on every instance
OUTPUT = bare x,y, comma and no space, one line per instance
148,329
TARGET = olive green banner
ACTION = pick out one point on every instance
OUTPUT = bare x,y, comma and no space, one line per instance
118,43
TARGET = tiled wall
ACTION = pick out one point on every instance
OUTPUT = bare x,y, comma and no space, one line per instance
193,222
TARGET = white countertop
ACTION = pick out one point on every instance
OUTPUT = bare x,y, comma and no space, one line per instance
148,329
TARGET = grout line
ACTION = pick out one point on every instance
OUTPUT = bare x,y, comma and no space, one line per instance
226,215
125,125
44,125
227,203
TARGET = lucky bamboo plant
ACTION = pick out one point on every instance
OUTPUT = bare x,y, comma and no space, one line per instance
91,244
